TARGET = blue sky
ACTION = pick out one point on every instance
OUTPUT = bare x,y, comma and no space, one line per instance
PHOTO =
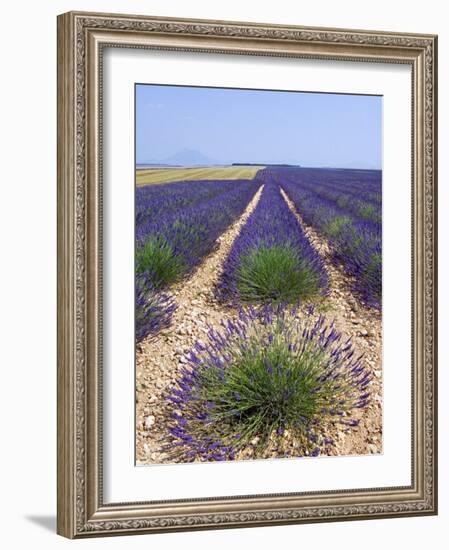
228,125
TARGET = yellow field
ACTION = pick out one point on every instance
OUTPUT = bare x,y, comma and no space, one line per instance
164,175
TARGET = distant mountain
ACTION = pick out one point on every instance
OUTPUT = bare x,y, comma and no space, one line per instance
188,157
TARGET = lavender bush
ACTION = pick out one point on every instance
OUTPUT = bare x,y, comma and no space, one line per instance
153,309
271,260
358,247
263,375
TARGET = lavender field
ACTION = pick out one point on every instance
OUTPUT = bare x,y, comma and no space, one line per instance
258,314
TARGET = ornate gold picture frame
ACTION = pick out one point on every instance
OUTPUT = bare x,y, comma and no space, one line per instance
82,41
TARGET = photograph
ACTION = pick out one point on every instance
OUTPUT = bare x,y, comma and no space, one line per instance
258,274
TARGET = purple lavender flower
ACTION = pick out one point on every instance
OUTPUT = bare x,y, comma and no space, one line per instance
271,260
181,223
243,385
153,310
346,207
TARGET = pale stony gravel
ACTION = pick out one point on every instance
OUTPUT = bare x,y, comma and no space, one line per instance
158,360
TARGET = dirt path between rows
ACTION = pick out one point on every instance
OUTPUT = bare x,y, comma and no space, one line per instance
159,360
364,325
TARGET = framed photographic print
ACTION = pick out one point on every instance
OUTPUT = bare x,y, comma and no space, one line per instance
246,274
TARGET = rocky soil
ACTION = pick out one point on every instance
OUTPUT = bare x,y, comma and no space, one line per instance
158,360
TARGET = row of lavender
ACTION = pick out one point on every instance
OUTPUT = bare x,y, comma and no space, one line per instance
153,201
361,199
350,221
177,225
350,183
271,261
